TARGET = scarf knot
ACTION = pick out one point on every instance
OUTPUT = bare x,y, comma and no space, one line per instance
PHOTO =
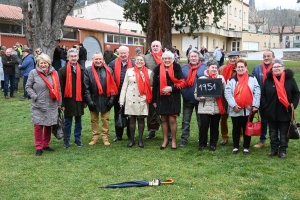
69,86
192,75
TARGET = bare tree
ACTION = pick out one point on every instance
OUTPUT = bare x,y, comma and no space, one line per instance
293,19
44,21
257,18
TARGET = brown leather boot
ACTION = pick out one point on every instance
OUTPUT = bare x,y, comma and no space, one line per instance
95,139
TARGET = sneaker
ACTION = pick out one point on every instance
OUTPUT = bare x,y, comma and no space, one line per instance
66,145
259,145
78,143
183,143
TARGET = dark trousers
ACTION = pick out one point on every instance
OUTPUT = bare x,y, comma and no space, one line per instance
209,122
16,84
9,78
150,114
2,84
24,84
278,135
82,62
119,131
239,123
77,128
187,110
264,128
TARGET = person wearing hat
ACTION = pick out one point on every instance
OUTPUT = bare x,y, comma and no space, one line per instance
227,71
82,55
26,66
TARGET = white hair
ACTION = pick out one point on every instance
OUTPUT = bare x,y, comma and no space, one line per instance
169,54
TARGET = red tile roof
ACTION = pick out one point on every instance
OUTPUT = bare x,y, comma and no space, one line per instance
12,12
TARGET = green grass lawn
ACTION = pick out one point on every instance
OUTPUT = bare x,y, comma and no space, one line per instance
76,173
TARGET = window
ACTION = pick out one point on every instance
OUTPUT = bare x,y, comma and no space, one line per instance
235,12
224,24
207,21
130,40
136,41
235,46
142,41
123,40
273,45
69,33
11,28
240,14
133,31
244,16
229,25
214,43
265,44
223,45
230,10
110,38
116,39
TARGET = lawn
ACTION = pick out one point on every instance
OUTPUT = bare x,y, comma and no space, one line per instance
76,173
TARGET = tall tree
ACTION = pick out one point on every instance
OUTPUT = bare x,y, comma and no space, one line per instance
44,21
158,17
257,18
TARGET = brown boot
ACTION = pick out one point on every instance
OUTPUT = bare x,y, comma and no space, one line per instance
95,139
105,139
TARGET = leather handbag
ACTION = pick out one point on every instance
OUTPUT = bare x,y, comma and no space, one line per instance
293,132
58,130
253,128
155,122
120,120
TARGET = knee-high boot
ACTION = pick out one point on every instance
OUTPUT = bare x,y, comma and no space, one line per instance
141,127
132,131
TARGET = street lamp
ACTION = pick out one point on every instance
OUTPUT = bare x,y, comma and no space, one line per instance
119,23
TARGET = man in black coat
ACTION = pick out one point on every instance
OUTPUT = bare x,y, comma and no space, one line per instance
99,102
71,82
9,63
82,55
119,66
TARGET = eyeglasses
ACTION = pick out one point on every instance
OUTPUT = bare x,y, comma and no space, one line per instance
167,58
277,66
139,60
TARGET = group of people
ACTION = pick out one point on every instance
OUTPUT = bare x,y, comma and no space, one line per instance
154,83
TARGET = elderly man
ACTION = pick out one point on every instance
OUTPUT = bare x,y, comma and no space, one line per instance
191,72
119,66
26,66
260,72
228,71
9,63
108,55
100,91
71,82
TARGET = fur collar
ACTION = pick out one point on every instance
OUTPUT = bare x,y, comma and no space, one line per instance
288,74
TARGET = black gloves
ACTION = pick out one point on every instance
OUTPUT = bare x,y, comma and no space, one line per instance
110,103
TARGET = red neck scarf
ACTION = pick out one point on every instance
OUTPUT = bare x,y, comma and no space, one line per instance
111,87
227,71
265,71
143,85
163,78
220,100
191,76
68,88
54,91
242,93
281,92
117,69
157,57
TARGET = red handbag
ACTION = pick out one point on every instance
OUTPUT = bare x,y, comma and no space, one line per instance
253,128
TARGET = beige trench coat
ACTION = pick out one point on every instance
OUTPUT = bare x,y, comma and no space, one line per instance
130,97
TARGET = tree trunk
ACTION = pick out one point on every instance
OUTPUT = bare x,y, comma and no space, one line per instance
44,21
159,23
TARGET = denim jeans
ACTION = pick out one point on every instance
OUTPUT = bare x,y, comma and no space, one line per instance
9,78
16,84
210,122
186,119
82,63
24,84
62,62
278,136
77,128
264,128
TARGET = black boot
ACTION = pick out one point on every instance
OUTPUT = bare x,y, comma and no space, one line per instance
141,126
132,131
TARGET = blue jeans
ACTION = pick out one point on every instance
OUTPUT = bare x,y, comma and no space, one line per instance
77,128
9,78
62,62
82,63
264,124
186,119
24,84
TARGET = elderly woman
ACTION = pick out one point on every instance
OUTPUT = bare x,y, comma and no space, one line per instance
242,93
135,96
44,89
210,110
167,82
279,91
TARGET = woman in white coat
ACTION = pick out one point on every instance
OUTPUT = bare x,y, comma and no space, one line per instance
135,96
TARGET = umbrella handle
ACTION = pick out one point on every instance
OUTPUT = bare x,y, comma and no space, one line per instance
168,181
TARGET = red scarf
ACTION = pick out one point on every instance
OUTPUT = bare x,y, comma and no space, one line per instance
191,76
117,69
220,100
265,71
143,85
227,71
157,57
111,87
68,88
281,92
163,78
242,93
54,91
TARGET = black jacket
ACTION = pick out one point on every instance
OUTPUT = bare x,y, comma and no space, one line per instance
96,102
167,104
82,53
63,54
72,107
272,108
9,63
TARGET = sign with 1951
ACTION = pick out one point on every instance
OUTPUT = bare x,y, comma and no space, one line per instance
209,87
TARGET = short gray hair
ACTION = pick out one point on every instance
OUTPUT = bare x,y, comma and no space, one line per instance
211,62
72,50
44,57
197,52
168,53
278,61
97,52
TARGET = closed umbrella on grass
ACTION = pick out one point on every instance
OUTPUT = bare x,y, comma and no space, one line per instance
143,183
